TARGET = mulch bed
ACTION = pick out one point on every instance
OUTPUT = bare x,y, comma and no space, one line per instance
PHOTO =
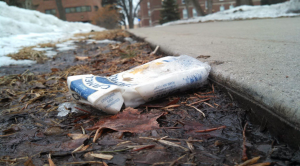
198,127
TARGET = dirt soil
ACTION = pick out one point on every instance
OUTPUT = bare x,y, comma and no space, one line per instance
199,127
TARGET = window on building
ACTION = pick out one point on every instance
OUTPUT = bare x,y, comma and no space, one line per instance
148,4
184,13
88,8
149,13
194,13
96,8
83,8
72,9
222,8
50,11
78,9
67,10
150,22
183,1
162,1
206,4
231,6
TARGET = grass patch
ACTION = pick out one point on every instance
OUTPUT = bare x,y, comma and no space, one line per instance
108,34
44,45
27,53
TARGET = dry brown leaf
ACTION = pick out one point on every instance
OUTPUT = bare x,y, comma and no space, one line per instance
250,161
102,156
78,136
81,58
130,120
55,69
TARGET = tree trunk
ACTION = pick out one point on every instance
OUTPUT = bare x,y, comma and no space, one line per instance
61,10
130,22
209,6
198,7
187,4
243,2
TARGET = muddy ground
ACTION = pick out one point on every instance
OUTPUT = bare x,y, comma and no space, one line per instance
169,131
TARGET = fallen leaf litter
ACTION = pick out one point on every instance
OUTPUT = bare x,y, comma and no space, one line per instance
198,127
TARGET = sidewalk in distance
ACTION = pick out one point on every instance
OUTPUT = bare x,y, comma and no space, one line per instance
258,58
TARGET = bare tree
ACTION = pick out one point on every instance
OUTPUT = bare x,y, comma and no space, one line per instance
198,8
129,10
209,6
187,4
61,10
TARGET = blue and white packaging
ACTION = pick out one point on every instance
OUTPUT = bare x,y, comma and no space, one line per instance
156,79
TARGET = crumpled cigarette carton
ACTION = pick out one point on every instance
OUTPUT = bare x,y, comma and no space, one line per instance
155,79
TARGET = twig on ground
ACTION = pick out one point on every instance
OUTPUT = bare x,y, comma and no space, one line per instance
250,161
174,162
212,129
144,147
197,110
166,142
190,145
197,102
209,104
171,106
244,157
83,131
154,52
51,163
96,135
83,110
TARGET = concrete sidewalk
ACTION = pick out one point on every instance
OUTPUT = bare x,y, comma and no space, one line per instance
258,58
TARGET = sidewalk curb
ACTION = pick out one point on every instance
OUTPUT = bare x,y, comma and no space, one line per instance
259,112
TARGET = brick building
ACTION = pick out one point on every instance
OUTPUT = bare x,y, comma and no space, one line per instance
150,9
76,10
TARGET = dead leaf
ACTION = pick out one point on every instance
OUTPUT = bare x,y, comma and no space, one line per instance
250,161
130,120
55,69
81,58
29,163
102,156
173,102
78,136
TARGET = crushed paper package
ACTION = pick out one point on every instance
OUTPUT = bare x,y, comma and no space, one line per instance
153,80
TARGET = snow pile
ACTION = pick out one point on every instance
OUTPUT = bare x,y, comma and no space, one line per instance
21,28
289,8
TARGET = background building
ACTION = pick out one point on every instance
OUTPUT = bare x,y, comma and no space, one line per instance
75,10
150,9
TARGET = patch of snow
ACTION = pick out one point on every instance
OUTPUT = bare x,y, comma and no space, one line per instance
42,49
22,28
7,60
106,41
129,40
65,46
50,54
285,9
